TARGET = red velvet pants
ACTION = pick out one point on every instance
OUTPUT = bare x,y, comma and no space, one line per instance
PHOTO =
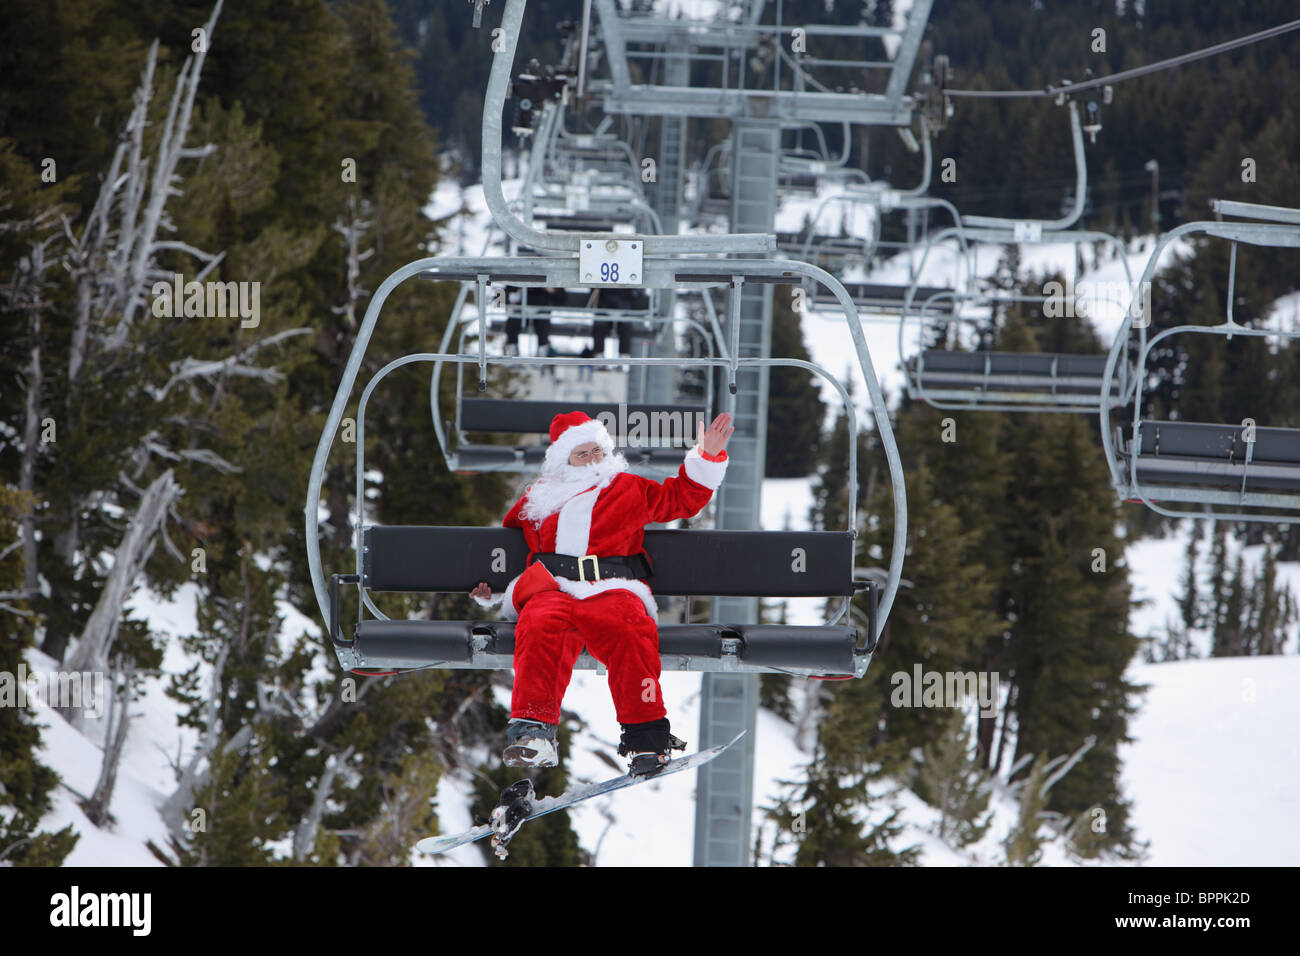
614,626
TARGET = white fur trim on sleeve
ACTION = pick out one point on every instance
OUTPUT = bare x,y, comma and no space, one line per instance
508,612
707,473
486,603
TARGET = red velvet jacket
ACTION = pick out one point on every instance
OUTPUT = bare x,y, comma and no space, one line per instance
611,521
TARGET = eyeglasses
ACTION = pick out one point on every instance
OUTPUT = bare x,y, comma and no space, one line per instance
582,457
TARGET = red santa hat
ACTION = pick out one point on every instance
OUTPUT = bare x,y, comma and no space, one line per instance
572,429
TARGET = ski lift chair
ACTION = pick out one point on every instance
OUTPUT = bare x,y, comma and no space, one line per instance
1218,466
580,314
1007,381
878,196
692,562
533,418
674,422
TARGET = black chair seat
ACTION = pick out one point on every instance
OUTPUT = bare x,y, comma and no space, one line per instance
416,643
827,649
471,457
534,417
700,562
1214,474
1220,442
487,456
574,329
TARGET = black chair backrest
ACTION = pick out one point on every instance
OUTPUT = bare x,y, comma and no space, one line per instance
896,293
660,425
733,563
1015,363
1220,442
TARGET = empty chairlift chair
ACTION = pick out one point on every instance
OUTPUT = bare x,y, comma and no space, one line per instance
623,313
650,436
1009,381
1033,378
878,297
1234,466
1241,459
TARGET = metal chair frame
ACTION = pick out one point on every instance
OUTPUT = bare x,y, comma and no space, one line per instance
1282,232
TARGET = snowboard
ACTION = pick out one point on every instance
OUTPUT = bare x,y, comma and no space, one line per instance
545,805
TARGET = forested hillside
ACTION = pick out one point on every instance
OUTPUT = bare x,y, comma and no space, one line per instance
299,165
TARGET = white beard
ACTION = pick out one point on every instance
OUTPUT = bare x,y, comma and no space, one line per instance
548,493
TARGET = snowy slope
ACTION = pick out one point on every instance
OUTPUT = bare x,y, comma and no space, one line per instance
1212,767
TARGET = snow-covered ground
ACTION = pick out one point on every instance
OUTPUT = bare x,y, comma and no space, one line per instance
1212,767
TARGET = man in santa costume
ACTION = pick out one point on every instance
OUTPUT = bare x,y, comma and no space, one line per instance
584,522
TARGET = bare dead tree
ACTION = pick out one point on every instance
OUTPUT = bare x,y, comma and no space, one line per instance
113,261
352,229
190,368
96,807
26,293
140,244
114,256
134,551
176,808
304,837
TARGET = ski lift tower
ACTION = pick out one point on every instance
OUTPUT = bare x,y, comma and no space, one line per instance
729,703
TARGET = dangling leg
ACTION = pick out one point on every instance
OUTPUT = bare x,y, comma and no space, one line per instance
547,646
621,635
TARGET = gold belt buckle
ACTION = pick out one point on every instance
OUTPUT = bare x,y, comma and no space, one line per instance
595,563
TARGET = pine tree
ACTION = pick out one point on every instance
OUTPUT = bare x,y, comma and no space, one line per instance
795,410
25,783
241,811
952,779
1024,844
842,820
941,619
407,812
1189,602
1270,615
1069,595
1230,629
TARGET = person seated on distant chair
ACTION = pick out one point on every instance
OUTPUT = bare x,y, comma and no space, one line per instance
541,326
616,299
584,522
601,330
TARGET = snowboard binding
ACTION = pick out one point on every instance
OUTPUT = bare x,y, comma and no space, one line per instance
512,809
649,746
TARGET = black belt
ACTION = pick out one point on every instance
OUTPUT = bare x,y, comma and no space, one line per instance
591,567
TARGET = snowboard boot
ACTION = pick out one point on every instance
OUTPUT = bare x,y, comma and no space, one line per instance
648,746
512,809
531,744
